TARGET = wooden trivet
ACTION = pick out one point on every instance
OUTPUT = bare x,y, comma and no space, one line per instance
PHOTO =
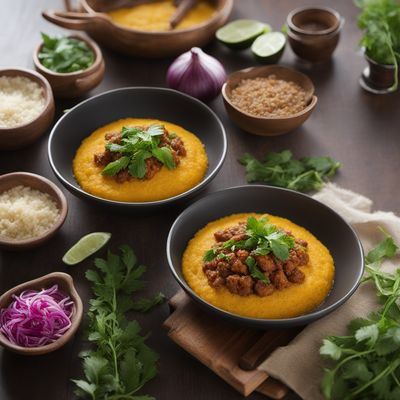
232,352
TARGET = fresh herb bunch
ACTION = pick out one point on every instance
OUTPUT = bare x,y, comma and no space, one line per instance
380,22
367,360
137,145
264,238
65,54
121,363
281,169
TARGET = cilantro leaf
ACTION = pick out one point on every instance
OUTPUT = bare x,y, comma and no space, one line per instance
144,305
209,255
114,167
255,271
386,249
280,169
164,155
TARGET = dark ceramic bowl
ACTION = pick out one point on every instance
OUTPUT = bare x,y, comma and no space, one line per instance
137,102
320,220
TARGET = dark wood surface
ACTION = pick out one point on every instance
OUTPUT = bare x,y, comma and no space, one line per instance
359,129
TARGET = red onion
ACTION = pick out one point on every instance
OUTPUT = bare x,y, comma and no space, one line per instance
35,318
197,74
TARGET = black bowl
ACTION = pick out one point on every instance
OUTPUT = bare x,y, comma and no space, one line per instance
137,102
329,227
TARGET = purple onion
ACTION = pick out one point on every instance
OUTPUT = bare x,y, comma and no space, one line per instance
197,74
35,318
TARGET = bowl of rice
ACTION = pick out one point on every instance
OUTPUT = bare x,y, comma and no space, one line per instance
26,107
32,210
270,100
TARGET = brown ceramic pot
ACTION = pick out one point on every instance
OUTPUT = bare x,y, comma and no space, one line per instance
314,32
73,84
99,26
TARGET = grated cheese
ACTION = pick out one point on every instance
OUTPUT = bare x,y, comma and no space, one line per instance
26,213
21,100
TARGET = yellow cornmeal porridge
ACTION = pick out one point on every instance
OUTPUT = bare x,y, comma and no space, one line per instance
155,16
166,183
295,300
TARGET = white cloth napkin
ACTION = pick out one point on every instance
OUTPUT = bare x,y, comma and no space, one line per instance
299,364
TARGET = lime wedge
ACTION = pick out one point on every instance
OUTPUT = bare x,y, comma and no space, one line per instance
268,48
85,247
241,33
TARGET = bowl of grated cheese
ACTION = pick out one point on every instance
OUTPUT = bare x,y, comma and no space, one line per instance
26,107
32,210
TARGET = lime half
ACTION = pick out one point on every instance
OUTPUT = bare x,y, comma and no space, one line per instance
85,247
241,33
268,48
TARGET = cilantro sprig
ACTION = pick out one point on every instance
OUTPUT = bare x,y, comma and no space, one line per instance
137,145
367,360
281,169
380,22
121,362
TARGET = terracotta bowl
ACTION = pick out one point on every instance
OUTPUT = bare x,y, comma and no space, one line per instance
152,44
314,32
66,284
23,135
268,126
42,184
73,84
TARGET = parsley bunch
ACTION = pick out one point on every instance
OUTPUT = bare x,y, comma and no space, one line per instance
121,363
367,360
137,145
263,239
380,23
281,169
65,54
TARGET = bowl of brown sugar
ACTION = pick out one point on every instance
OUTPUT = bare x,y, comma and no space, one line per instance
270,100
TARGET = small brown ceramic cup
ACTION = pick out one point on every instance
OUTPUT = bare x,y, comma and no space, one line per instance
314,32
73,84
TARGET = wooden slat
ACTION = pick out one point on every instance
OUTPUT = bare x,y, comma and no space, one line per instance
231,351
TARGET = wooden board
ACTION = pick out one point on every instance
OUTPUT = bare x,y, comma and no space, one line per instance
231,351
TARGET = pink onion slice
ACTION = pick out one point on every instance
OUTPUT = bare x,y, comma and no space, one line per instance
37,318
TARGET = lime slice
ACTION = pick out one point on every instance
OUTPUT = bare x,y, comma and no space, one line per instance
241,33
268,48
85,247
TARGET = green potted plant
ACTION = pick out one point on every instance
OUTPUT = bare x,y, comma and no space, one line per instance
380,22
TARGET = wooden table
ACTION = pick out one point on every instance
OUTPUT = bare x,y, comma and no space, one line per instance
359,129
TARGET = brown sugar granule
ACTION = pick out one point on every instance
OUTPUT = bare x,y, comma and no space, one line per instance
265,97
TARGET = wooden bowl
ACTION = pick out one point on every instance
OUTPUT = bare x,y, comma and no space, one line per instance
23,135
268,126
151,44
66,284
42,184
306,40
73,84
